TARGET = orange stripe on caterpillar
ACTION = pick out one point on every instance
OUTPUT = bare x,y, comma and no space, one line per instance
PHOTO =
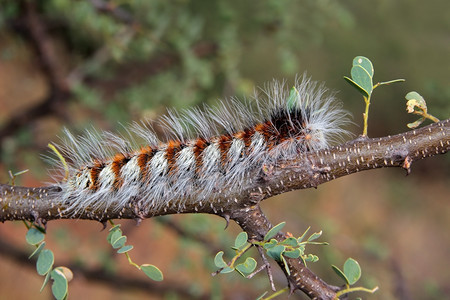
118,162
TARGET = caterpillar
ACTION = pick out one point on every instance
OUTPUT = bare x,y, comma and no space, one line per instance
206,151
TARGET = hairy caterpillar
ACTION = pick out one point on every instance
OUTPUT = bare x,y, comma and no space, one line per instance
207,151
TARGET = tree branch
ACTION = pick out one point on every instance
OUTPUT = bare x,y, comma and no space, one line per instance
308,170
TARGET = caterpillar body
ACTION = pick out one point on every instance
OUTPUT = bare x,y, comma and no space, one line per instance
207,151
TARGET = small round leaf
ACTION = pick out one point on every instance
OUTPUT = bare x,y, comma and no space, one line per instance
152,272
46,280
291,241
272,243
120,242
59,286
125,249
248,266
276,252
226,270
362,79
67,272
340,273
114,235
352,270
365,63
293,254
241,240
45,262
272,232
38,250
34,236
218,260
315,236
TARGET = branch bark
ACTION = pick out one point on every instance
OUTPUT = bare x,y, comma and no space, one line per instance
307,170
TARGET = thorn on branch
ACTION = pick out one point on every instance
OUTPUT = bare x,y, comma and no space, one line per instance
138,221
407,165
227,219
256,197
104,224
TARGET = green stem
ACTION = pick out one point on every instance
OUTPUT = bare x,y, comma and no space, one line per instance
428,116
26,224
239,254
276,294
132,262
366,115
355,289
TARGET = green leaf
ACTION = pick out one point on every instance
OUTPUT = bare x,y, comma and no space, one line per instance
415,100
67,272
115,227
293,253
272,232
311,258
248,266
271,244
340,273
38,250
292,100
414,96
300,239
125,249
34,236
276,252
120,242
241,240
20,173
315,236
218,260
45,262
226,270
114,235
152,272
391,81
356,86
364,63
59,286
46,280
352,271
291,241
416,123
362,79
286,267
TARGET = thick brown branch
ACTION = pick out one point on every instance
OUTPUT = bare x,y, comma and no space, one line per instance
307,170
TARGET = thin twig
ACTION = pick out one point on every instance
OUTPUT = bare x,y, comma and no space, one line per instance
267,266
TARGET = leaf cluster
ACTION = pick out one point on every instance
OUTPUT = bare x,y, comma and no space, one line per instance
290,247
117,240
44,264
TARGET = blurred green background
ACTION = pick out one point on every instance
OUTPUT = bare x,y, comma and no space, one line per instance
100,63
